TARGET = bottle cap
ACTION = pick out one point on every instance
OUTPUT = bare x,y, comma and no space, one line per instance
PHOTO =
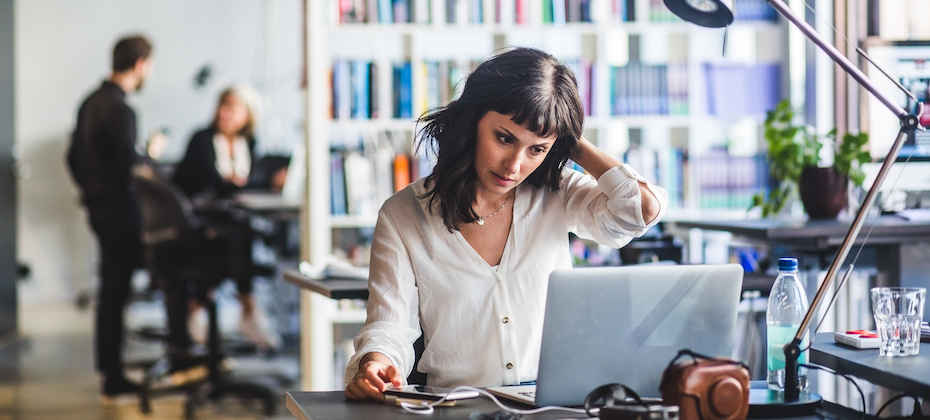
787,264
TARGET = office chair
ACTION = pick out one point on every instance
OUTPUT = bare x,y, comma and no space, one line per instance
182,254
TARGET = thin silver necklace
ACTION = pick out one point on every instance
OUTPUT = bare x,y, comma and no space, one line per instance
481,219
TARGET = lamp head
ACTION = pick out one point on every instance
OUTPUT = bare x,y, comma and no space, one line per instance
707,13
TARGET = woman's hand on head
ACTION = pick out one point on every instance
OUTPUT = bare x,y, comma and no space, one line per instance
373,377
592,159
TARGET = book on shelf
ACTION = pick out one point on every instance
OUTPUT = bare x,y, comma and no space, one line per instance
337,187
341,89
674,178
360,80
401,171
403,90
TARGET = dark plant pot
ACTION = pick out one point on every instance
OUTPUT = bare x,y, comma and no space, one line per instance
823,192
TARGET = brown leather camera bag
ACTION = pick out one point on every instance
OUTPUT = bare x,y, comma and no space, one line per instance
706,388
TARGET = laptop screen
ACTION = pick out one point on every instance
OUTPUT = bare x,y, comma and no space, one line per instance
625,324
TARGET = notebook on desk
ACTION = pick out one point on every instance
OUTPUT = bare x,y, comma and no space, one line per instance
625,324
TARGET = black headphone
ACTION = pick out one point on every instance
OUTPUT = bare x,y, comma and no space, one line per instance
620,402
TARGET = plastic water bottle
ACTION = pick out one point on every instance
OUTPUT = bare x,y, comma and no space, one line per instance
786,309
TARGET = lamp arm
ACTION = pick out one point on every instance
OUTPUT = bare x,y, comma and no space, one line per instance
837,57
793,349
853,232
909,123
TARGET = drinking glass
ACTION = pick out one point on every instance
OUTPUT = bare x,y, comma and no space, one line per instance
898,312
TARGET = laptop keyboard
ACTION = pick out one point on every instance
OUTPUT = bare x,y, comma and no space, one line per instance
529,394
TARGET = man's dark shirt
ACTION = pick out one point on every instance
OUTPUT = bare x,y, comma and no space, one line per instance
103,148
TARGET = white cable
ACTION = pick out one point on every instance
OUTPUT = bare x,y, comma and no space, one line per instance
427,408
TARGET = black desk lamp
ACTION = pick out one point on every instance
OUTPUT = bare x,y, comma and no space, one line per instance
715,14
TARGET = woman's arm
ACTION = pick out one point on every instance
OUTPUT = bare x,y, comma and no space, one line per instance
393,322
596,162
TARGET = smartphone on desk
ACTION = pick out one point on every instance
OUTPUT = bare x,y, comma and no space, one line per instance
429,393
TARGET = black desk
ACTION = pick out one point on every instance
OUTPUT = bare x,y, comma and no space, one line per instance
265,202
332,405
334,288
906,374
901,251
818,234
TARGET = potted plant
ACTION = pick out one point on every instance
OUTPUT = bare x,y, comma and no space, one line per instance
795,165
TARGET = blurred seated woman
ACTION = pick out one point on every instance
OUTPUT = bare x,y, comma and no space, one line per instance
218,162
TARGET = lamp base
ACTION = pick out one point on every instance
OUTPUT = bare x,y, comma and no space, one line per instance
766,404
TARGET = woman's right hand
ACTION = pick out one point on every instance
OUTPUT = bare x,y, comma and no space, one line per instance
374,374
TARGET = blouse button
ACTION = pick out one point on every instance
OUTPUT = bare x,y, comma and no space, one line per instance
509,365
505,320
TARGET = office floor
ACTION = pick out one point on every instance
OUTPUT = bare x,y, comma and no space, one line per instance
47,372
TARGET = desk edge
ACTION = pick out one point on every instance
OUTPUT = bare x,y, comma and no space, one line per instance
294,408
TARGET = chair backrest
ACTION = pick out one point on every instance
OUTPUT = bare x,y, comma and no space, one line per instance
167,214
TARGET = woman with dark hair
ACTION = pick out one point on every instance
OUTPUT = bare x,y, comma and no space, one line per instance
464,254
219,161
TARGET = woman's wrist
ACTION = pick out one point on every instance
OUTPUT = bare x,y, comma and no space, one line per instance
374,357
592,159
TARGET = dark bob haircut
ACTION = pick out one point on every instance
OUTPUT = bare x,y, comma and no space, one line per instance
531,86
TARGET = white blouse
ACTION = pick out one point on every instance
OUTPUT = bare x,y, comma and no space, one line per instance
239,162
483,326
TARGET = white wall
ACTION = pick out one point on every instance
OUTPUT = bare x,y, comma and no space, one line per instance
63,52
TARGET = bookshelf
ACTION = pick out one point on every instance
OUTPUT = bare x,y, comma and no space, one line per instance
642,74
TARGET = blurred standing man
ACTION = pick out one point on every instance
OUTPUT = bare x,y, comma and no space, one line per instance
102,153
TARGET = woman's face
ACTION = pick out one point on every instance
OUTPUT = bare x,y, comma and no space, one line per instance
232,116
507,152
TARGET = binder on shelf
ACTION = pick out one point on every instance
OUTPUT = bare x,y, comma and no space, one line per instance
401,10
374,100
401,171
371,11
337,183
547,11
359,180
559,14
521,12
342,89
475,11
403,90
385,12
360,89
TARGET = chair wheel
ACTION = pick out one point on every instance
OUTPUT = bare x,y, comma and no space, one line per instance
270,407
189,410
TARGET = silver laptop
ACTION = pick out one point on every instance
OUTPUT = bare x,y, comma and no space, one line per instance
625,324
